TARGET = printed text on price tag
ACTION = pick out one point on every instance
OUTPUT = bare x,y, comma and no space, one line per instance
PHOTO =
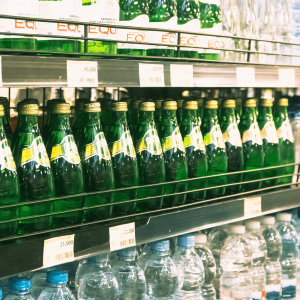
245,77
122,236
82,73
151,75
252,206
58,250
286,77
182,75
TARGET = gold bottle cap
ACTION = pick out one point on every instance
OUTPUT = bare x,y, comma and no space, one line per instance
266,102
250,103
60,108
158,103
169,105
134,104
283,102
211,104
147,106
1,110
228,104
92,107
238,102
28,109
179,103
119,106
200,102
190,105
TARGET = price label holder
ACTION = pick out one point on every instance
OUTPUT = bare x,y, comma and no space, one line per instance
286,77
182,75
82,73
151,75
245,77
252,206
122,236
58,250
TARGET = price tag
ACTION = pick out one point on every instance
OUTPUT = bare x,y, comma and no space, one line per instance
286,77
245,77
151,75
122,236
252,206
182,75
82,73
58,250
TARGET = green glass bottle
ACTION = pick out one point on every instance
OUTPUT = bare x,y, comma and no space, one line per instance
124,159
200,110
66,166
174,154
286,140
78,119
133,115
194,149
105,114
157,113
233,144
34,171
97,164
179,111
252,145
219,109
238,109
9,184
150,158
6,119
270,141
215,149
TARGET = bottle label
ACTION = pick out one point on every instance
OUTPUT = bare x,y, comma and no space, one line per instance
150,142
35,152
98,147
269,133
232,135
123,145
288,288
258,295
188,39
211,42
214,137
67,149
216,2
173,141
273,292
252,134
6,158
285,131
194,139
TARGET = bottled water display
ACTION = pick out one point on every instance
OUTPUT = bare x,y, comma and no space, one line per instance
19,288
144,256
296,223
83,268
189,267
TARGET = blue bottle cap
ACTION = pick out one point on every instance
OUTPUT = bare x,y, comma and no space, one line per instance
57,277
163,245
131,251
99,258
1,295
186,240
19,284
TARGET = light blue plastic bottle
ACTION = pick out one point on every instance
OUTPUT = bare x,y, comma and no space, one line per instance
161,272
1,295
296,223
19,288
189,267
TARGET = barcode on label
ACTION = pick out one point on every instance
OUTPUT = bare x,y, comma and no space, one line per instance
155,79
127,243
87,80
252,206
62,256
182,75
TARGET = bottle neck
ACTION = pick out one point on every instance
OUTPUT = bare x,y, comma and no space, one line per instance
56,285
161,253
27,122
249,114
146,117
189,117
14,292
126,258
169,118
228,115
118,118
265,112
60,122
91,118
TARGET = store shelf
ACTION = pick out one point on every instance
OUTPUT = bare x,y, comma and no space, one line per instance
25,254
41,71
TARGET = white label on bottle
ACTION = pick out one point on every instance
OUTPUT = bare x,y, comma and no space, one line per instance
189,39
211,42
26,8
286,77
245,77
258,295
122,236
182,75
252,206
58,250
82,73
151,75
59,29
216,2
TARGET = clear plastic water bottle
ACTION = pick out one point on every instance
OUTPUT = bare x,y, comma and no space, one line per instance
272,264
236,258
189,267
288,256
19,288
130,276
56,287
208,291
296,223
70,268
98,282
83,267
259,253
161,272
144,256
215,241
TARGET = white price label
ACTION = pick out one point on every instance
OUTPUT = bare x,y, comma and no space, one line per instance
286,77
58,250
122,236
252,206
182,75
245,77
82,73
151,75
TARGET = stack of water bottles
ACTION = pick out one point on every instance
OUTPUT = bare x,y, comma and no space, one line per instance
254,261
